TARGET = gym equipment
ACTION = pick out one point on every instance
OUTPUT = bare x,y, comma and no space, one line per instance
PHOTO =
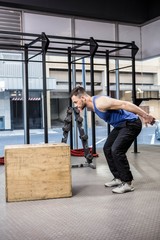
2,160
84,137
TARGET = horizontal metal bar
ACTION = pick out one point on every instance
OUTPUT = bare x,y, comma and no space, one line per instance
35,55
120,48
112,70
19,33
78,48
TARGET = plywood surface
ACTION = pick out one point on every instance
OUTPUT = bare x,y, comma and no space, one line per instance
37,171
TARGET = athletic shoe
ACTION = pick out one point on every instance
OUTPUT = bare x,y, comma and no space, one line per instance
123,188
115,182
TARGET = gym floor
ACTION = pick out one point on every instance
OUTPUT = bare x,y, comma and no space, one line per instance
93,212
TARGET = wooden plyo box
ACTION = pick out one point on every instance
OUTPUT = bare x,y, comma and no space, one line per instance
37,171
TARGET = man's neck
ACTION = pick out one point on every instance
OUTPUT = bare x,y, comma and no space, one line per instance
89,103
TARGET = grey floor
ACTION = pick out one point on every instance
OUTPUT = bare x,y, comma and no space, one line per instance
93,212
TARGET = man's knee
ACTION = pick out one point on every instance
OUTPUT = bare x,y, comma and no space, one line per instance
115,152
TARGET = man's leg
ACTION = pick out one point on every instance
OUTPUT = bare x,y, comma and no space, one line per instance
122,143
108,153
120,146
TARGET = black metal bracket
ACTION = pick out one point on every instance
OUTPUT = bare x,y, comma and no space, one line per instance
46,40
93,46
138,101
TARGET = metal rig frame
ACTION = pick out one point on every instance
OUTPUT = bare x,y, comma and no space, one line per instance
75,49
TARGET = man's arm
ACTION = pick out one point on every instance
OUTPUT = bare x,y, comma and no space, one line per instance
105,103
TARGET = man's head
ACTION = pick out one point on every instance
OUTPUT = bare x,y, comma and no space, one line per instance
78,96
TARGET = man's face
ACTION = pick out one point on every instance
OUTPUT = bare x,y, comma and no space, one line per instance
79,102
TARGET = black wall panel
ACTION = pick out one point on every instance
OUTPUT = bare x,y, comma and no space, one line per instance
134,11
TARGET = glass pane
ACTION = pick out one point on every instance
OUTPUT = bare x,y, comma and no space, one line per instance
11,107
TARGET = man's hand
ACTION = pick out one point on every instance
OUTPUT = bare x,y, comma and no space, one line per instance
149,119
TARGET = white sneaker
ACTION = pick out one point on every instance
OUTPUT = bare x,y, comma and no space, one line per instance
115,182
123,188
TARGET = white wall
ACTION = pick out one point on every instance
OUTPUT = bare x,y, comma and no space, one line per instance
129,34
61,26
97,30
51,25
151,40
100,30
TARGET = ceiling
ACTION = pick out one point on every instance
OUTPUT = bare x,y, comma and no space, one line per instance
124,11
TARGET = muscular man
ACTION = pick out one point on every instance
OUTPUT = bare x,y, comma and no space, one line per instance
123,116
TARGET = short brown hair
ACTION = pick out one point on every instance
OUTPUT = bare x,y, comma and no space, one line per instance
78,91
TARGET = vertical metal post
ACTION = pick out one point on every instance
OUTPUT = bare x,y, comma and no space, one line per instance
75,129
69,75
117,62
134,85
45,119
107,71
70,89
84,86
117,78
108,82
133,76
25,98
93,114
93,49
